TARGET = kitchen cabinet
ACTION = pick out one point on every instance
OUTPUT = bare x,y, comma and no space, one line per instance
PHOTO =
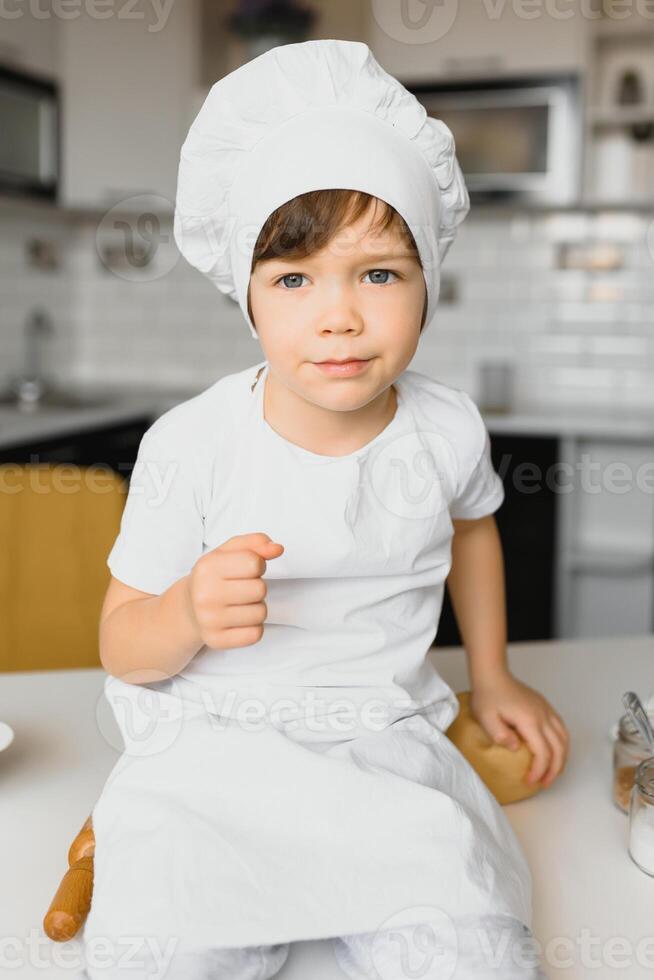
429,42
114,446
527,522
53,623
577,536
222,51
27,42
605,563
127,101
618,161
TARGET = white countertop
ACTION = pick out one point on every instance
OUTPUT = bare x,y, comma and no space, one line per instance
586,887
19,426
618,424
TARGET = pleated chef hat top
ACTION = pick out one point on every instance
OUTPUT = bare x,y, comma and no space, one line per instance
303,117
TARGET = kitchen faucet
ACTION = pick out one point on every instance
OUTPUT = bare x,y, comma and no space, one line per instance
31,384
32,390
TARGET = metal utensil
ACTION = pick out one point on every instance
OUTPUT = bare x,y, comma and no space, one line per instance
6,735
639,717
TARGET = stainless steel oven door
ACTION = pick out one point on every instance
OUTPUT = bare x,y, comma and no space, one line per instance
29,123
515,138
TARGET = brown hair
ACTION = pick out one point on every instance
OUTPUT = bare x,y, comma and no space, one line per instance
309,221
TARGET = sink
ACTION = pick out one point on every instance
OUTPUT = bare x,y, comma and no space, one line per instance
53,399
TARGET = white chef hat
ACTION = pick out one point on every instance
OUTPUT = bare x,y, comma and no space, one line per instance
303,117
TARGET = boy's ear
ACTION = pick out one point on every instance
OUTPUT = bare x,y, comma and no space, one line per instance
250,310
424,313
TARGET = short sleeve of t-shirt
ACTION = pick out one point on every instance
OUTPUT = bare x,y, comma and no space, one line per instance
162,526
480,490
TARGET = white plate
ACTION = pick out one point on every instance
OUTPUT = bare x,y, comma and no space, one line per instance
6,735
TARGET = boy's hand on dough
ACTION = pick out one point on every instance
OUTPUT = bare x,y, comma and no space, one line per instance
226,591
505,706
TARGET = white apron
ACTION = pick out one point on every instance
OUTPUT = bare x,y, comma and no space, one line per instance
303,787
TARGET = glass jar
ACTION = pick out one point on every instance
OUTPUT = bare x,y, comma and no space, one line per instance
629,750
641,818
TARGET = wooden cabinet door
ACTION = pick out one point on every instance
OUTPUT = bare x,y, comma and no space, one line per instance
114,446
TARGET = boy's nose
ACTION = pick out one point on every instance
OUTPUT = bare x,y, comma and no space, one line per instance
339,316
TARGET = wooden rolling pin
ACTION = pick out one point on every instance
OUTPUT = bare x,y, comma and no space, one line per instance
72,901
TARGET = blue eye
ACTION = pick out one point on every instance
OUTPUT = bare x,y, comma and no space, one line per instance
290,275
386,272
299,275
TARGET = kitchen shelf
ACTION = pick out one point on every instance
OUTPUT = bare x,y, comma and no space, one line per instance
644,203
18,204
607,30
588,204
11,204
608,560
621,116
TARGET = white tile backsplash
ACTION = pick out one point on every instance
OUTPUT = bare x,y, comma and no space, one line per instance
575,337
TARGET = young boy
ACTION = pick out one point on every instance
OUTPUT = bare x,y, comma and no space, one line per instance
279,573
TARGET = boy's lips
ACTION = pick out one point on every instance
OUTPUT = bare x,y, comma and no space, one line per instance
345,360
343,368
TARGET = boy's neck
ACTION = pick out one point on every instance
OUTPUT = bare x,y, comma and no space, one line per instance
320,430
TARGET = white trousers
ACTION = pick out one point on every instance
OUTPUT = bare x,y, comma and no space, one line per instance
494,947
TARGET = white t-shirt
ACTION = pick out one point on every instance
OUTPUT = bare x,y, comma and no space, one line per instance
354,601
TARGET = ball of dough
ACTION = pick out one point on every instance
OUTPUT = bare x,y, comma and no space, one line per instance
503,770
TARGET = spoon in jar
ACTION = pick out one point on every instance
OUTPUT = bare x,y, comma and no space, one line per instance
639,717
